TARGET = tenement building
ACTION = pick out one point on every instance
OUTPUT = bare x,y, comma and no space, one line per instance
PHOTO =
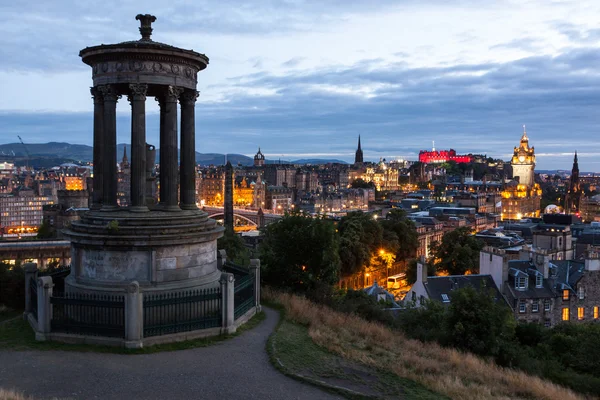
543,290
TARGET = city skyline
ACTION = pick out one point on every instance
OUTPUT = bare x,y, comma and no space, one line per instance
303,80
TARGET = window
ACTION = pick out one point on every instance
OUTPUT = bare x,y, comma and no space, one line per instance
539,279
559,242
596,316
581,293
580,313
566,294
565,314
522,306
535,306
547,323
521,282
445,298
546,305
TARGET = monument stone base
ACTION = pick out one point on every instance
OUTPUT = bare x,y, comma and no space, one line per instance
162,251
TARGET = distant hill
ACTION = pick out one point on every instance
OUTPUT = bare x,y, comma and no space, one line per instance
44,155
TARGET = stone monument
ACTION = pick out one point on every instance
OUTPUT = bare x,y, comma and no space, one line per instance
168,246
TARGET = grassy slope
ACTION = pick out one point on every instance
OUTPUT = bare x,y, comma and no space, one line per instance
294,353
447,371
18,335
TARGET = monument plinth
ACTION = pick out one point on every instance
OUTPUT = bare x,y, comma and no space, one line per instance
163,247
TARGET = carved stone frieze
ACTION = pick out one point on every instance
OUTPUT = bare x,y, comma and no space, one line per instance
166,67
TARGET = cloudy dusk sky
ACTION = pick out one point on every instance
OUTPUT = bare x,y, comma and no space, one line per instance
302,79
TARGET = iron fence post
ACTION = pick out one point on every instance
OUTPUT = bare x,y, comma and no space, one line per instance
255,270
44,307
134,316
228,307
30,273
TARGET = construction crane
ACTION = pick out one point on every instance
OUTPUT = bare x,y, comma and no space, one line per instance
26,151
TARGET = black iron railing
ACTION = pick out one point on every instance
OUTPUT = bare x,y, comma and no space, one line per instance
237,270
181,312
243,295
86,314
33,297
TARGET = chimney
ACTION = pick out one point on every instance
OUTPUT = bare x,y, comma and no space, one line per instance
592,263
422,270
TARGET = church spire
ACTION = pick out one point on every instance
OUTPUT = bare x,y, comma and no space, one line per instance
358,158
125,154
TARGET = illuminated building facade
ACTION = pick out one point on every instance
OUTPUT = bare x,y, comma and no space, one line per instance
21,213
441,156
522,198
383,176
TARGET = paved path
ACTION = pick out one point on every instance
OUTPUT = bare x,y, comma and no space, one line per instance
238,368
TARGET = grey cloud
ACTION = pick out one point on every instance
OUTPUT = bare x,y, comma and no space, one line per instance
293,62
557,97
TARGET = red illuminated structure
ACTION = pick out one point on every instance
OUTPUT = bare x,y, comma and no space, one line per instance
434,156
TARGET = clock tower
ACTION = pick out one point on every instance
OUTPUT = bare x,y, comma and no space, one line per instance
523,161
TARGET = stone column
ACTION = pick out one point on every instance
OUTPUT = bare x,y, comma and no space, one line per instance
98,184
228,203
168,149
255,270
221,259
134,316
137,98
109,189
44,293
188,150
31,272
228,306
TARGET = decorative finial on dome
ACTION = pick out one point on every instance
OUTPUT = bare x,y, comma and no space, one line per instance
146,21
524,133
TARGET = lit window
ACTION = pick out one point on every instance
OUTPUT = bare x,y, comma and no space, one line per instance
565,314
445,298
566,294
581,293
535,306
538,280
580,313
596,316
522,306
546,305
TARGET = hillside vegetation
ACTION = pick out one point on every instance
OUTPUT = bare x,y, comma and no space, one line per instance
446,371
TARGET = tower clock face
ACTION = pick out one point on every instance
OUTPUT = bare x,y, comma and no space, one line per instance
521,158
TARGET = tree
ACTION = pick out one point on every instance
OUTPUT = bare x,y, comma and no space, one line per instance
361,184
476,323
45,231
234,247
300,253
457,252
360,236
403,230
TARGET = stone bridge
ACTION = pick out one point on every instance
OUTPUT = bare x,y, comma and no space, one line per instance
253,217
38,251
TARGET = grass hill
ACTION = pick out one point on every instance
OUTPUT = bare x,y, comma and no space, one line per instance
448,372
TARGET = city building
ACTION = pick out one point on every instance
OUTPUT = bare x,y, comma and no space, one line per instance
259,159
442,156
543,290
21,213
521,198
